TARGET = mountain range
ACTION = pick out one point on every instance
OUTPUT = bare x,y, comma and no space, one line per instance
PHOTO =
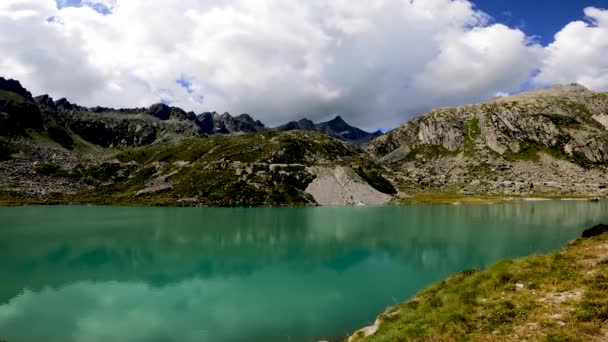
335,128
542,143
140,126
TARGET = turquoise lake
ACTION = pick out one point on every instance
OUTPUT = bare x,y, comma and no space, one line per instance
87,273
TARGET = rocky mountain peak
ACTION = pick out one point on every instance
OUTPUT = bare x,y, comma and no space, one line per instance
213,122
63,103
15,87
306,122
338,124
572,87
160,111
46,100
338,119
245,118
336,128
18,107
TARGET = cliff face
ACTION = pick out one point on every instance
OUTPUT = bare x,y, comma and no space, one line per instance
18,110
214,123
569,119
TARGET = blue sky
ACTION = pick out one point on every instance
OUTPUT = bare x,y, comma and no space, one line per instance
541,18
77,3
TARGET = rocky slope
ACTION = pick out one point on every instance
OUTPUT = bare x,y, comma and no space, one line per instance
56,151
260,169
549,141
214,123
336,128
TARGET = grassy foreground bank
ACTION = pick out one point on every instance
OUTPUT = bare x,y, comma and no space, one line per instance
557,297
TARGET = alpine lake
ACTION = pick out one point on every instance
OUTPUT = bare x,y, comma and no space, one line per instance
95,273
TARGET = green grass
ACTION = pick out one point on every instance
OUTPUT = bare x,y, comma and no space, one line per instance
577,108
472,132
530,150
50,169
561,296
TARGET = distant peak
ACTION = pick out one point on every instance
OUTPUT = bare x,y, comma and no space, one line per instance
338,118
160,105
245,117
338,123
14,86
160,111
305,120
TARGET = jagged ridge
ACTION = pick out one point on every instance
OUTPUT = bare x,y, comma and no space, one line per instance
164,155
336,128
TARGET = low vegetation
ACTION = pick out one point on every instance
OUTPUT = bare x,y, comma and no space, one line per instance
561,296
261,169
375,179
6,149
60,136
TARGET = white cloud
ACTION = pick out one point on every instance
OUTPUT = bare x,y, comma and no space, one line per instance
578,53
41,54
477,64
376,62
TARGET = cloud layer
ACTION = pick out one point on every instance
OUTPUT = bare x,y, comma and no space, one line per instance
377,62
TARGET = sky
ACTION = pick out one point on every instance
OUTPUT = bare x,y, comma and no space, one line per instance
376,63
539,18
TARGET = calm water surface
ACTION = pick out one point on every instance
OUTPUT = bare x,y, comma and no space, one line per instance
87,273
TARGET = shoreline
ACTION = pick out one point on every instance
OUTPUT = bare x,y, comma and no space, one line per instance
437,198
458,199
560,296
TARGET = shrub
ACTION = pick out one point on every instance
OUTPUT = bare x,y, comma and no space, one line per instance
60,136
377,181
48,169
6,149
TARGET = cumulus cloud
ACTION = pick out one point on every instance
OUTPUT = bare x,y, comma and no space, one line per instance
478,64
578,53
376,63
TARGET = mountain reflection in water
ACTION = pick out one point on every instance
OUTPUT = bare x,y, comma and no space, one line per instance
87,273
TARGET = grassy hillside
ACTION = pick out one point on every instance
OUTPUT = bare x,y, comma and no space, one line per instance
557,297
269,168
